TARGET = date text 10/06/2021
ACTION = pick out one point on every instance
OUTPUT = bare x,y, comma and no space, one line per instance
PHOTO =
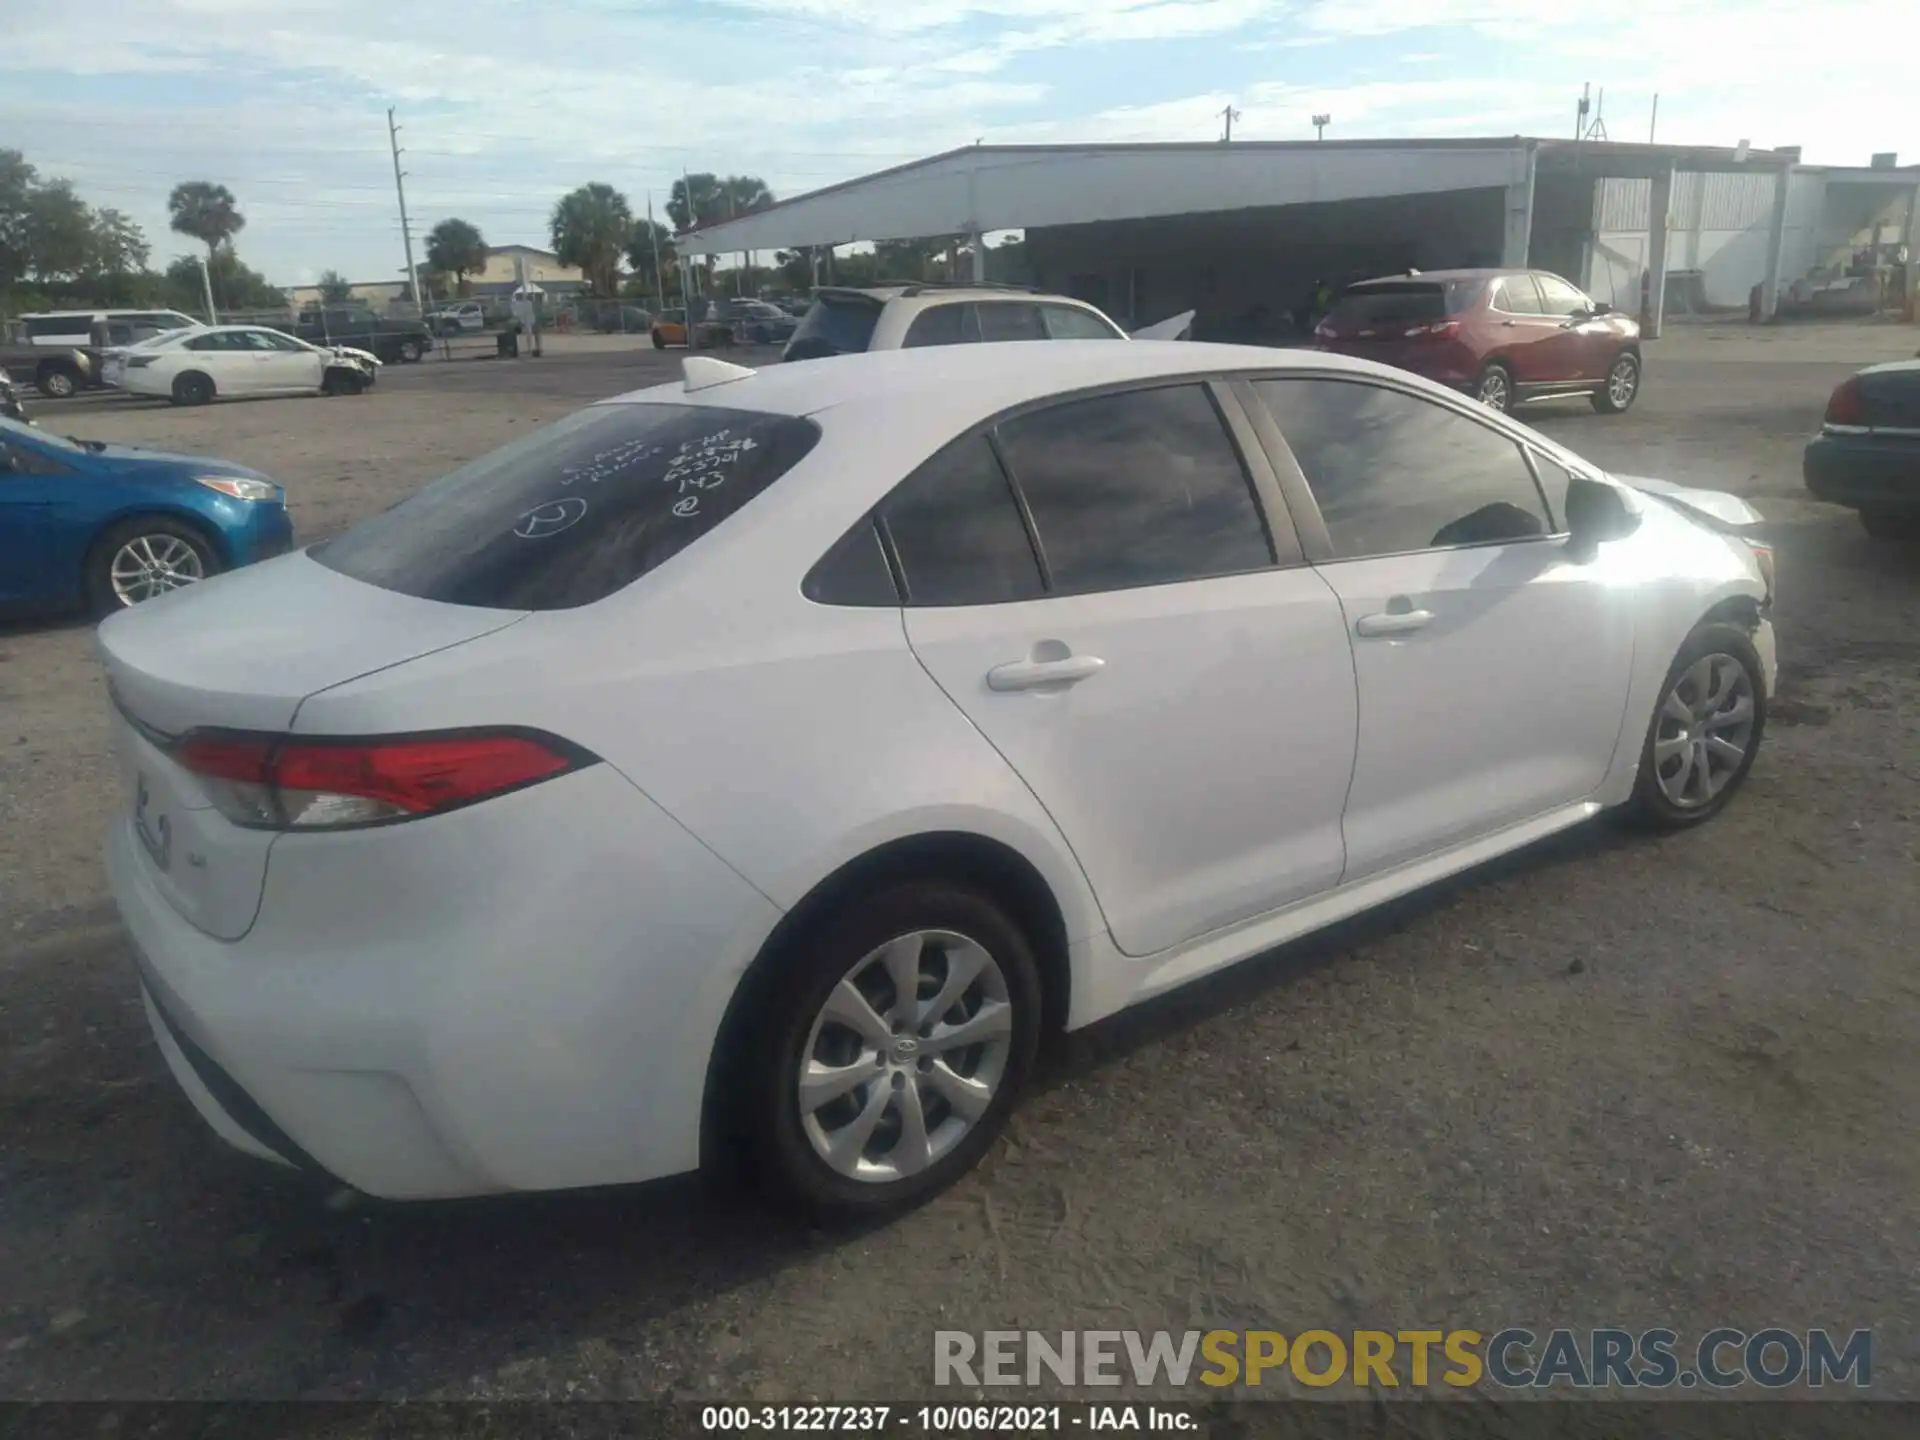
946,1419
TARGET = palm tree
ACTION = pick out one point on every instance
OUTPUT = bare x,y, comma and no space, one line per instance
590,228
455,247
206,211
335,288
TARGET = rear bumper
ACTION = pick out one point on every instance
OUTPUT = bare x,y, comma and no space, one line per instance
1864,472
523,1001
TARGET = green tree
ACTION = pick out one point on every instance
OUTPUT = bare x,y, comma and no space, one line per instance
59,233
117,246
456,247
207,212
643,245
17,181
715,199
335,288
235,285
590,229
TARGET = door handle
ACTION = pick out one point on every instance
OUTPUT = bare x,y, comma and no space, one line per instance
1392,622
1035,674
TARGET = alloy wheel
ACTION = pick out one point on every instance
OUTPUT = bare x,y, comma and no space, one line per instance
905,1056
1623,381
1704,732
58,384
1493,390
150,565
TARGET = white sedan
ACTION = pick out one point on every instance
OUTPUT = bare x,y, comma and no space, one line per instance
758,765
192,367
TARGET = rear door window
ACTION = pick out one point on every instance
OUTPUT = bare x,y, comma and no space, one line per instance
1068,322
572,513
1142,487
942,325
957,531
1001,320
836,325
56,327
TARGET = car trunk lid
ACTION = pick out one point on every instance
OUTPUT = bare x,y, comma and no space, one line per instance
241,653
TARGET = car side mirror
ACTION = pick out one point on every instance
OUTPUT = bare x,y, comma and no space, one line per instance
1596,513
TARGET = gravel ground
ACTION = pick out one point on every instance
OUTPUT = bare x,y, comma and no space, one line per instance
1606,1082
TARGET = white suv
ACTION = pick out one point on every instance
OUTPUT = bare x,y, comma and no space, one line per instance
845,321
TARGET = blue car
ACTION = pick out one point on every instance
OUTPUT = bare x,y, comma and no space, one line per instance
84,523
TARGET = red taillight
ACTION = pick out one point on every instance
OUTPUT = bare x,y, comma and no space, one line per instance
290,782
1846,405
1439,330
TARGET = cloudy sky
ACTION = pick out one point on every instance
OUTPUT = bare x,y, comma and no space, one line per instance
504,104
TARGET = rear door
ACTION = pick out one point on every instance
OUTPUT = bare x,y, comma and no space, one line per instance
1492,668
1582,344
1523,332
1108,609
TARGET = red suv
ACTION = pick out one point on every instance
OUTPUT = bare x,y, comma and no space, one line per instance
1503,336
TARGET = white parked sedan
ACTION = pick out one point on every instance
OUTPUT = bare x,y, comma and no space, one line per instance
192,367
758,765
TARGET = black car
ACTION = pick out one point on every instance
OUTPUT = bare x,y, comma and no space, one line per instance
1867,454
756,322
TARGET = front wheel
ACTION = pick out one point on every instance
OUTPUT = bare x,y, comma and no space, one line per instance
1705,733
144,557
658,342
193,389
1494,388
890,1051
411,351
1623,385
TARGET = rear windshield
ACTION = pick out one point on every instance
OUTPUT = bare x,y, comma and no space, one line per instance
836,325
1397,304
572,513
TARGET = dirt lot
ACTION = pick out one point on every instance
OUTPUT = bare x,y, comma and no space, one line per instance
1610,1082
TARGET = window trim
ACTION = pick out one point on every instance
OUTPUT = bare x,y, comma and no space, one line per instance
1316,539
902,585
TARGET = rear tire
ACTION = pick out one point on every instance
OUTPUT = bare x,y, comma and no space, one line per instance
797,1025
1712,703
150,552
658,343
411,351
1622,385
193,388
1882,525
57,380
1494,388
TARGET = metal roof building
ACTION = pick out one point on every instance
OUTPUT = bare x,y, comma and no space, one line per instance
1149,228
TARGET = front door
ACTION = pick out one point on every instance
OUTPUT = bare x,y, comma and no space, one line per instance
1492,670
284,363
1182,706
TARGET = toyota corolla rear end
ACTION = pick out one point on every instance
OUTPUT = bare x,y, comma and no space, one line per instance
1411,324
429,959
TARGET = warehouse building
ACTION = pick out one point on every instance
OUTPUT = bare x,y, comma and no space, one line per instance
1241,233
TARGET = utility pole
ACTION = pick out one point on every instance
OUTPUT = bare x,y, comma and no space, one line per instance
206,286
406,235
1653,125
1320,123
1229,115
